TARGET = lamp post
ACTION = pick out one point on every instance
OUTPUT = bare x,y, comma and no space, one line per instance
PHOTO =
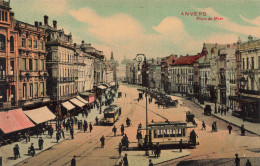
142,58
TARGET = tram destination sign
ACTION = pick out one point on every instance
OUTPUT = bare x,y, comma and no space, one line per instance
181,125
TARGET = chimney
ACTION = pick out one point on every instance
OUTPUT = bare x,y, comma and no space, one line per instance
36,23
54,24
46,20
40,23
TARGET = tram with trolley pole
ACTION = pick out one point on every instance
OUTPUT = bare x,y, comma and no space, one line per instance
111,114
168,134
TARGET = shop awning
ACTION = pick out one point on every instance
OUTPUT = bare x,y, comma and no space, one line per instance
40,115
68,105
77,102
14,120
112,84
82,100
101,87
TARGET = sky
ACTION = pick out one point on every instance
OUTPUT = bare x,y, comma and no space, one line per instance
156,28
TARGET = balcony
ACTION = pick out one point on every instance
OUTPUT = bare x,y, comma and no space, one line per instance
251,92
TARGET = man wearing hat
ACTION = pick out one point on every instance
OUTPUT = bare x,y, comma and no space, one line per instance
150,162
73,161
40,142
32,150
237,160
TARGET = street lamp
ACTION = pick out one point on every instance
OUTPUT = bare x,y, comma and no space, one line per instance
142,58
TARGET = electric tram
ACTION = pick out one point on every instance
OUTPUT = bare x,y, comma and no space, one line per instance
168,134
111,114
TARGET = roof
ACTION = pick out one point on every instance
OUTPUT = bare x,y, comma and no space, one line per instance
14,120
187,60
86,93
77,102
68,105
40,115
111,108
101,87
82,100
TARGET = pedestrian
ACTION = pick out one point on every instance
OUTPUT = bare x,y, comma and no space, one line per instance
150,162
78,125
229,127
120,149
16,151
81,125
122,129
114,130
72,132
125,160
225,111
90,127
139,125
102,140
96,120
222,110
203,126
218,109
82,113
213,127
248,163
27,137
32,150
64,123
63,135
58,136
180,144
157,150
73,161
237,160
243,130
40,143
51,131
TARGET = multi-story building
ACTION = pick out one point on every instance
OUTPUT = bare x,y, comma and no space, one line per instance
248,80
60,63
9,75
165,62
32,64
85,64
180,74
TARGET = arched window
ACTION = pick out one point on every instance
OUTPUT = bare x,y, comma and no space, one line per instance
2,42
11,43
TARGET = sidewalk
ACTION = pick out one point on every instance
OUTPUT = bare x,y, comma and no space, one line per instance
250,127
139,158
6,151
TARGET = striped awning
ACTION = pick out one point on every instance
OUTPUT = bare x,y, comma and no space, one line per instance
77,102
14,120
40,115
68,105
82,100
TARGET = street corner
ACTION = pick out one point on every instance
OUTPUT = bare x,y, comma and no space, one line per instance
139,158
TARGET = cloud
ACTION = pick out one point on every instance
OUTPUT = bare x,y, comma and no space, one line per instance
221,38
255,21
228,25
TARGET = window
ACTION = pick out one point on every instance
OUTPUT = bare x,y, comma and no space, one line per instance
2,42
35,64
252,84
11,43
34,43
31,90
6,16
42,64
23,42
252,62
30,43
24,90
3,15
247,63
24,64
30,64
41,45
243,63
42,88
35,89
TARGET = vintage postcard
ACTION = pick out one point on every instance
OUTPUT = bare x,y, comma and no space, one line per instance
129,82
